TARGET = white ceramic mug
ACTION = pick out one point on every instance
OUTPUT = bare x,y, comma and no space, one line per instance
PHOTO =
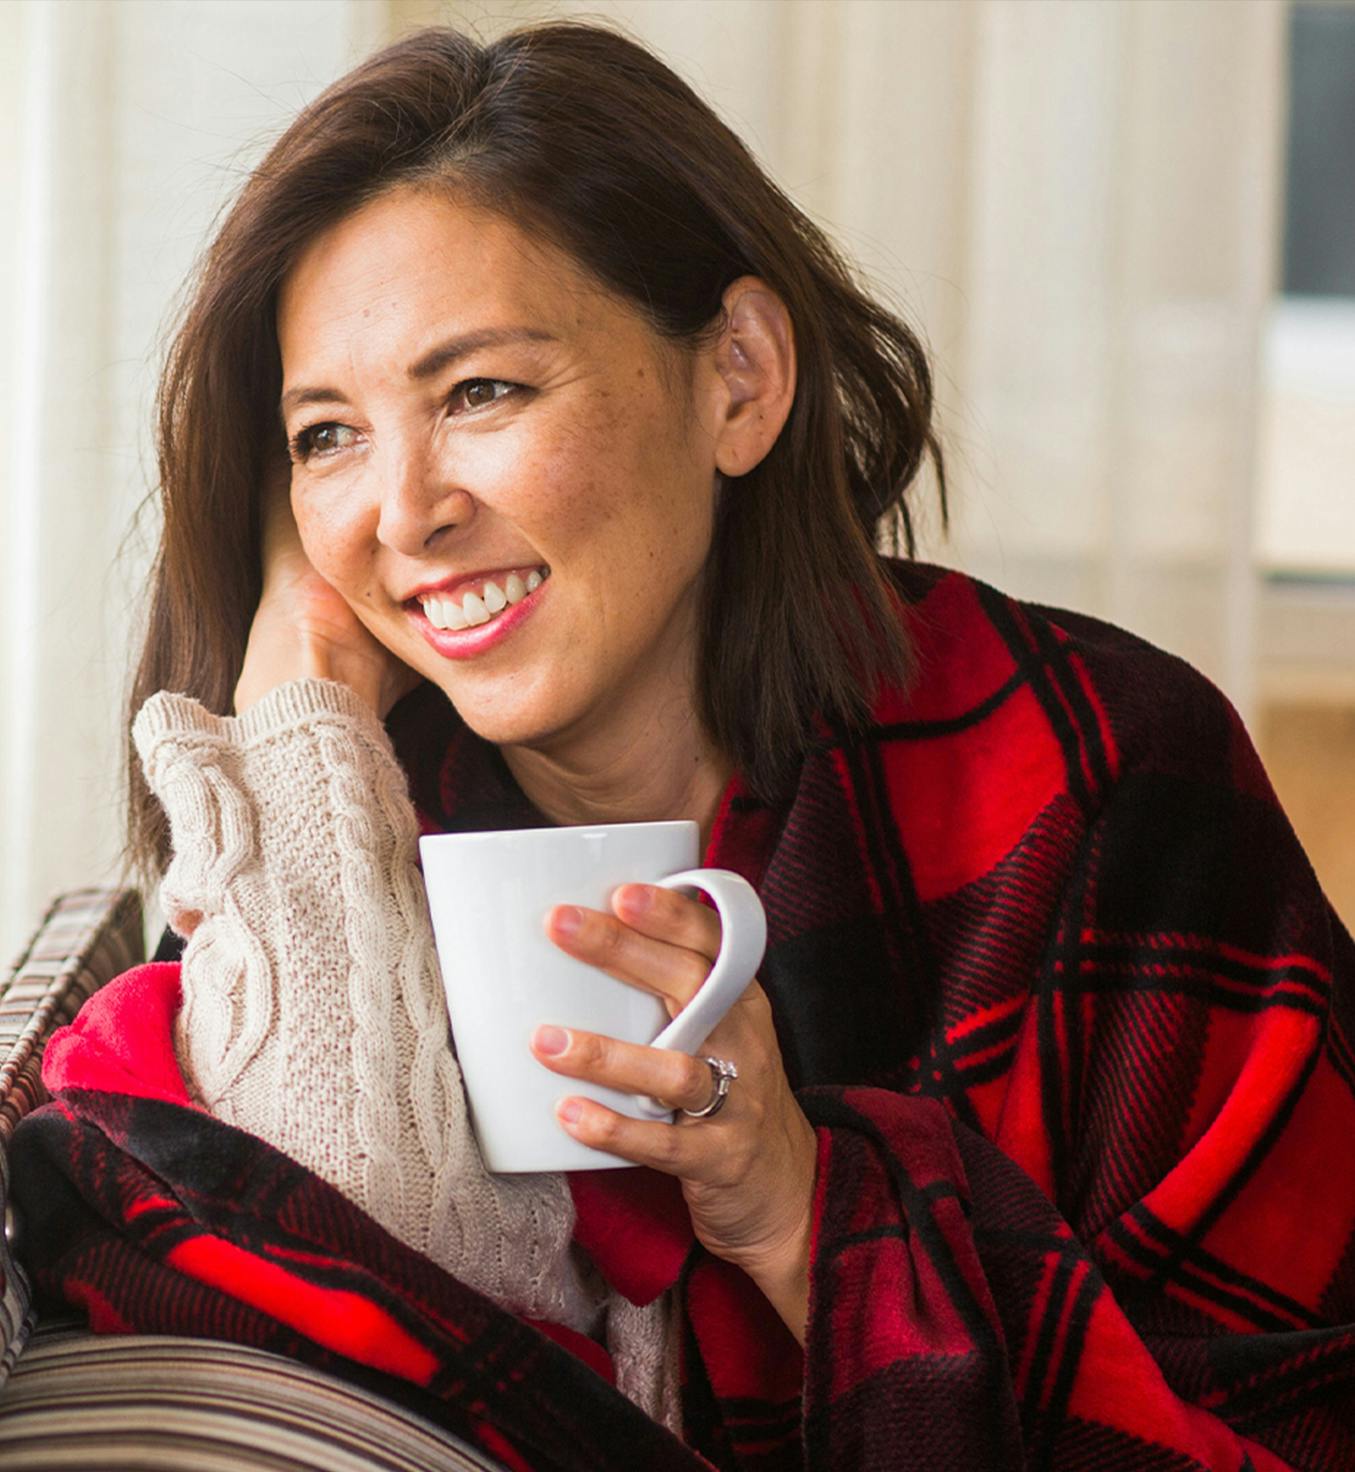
489,894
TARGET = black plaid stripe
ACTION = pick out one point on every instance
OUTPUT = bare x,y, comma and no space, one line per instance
1146,1053
986,1369
1090,1445
1192,966
1304,1379
1060,1336
989,936
1166,1251
1045,663
1058,1014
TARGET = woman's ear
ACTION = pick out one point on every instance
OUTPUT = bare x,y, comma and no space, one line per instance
755,360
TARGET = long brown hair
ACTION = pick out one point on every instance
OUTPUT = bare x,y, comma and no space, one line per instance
575,132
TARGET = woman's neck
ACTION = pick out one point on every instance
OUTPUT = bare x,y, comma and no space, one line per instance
654,769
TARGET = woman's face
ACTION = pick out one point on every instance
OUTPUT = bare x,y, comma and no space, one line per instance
506,473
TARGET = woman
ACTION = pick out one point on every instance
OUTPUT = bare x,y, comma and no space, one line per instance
590,435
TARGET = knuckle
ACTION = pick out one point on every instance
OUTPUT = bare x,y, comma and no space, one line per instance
696,1082
605,1126
703,924
696,970
690,913
610,938
741,1158
672,904
590,1051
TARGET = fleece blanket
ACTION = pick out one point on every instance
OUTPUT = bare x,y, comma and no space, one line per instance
1063,1000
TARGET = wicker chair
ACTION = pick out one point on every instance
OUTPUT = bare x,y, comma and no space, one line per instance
79,1402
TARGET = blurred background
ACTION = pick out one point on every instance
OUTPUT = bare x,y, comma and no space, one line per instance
1125,227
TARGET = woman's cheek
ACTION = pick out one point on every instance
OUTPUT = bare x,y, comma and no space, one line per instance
331,527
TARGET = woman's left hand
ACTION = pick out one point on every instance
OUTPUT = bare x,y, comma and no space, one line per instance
747,1172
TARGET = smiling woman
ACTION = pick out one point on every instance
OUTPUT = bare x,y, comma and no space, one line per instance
524,453
586,222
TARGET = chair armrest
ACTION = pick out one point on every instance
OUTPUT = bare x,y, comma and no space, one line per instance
86,938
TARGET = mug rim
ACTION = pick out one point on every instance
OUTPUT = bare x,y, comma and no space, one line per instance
553,831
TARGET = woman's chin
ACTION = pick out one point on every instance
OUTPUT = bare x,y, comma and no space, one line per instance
505,723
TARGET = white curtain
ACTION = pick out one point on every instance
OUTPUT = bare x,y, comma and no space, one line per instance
1076,202
126,124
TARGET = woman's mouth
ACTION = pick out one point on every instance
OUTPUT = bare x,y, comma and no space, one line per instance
480,612
481,601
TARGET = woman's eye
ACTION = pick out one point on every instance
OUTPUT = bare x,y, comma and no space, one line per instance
321,439
318,441
476,393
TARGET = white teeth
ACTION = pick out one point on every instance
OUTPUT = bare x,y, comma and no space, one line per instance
443,613
476,609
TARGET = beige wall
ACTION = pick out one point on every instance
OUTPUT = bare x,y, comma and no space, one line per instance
1309,751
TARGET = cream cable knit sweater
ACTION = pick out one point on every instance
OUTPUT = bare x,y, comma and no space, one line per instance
313,1012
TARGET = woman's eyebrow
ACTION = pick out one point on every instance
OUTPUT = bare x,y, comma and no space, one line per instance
432,362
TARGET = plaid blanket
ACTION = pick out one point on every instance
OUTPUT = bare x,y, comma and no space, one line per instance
1062,997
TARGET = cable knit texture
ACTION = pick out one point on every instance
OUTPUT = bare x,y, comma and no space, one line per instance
313,1013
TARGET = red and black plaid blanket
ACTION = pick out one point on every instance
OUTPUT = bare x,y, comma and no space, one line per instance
1072,1018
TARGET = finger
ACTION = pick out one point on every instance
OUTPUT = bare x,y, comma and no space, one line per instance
280,536
658,1145
676,1079
667,914
671,972
655,1144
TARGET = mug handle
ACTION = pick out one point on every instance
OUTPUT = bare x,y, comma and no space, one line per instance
743,942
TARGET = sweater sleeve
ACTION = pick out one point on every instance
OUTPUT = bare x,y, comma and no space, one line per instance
313,1014
1152,1263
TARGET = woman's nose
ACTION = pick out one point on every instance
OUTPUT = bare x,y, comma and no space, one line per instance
420,502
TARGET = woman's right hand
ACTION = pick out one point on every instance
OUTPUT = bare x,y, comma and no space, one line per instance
302,625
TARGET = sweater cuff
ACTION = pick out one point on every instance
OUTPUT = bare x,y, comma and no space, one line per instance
284,707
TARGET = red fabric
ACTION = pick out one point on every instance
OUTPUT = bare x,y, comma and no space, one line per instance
341,1320
1072,1020
635,1227
155,1217
124,1043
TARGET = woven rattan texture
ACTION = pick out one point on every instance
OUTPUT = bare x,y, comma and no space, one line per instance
86,938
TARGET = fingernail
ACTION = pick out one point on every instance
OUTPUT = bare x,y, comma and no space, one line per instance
569,1110
550,1040
568,919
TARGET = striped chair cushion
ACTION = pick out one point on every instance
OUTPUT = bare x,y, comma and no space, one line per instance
87,1403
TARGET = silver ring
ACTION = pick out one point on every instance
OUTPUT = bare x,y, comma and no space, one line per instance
722,1073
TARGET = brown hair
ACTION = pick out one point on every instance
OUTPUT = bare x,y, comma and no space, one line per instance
583,136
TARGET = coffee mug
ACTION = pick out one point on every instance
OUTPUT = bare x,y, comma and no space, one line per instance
489,894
